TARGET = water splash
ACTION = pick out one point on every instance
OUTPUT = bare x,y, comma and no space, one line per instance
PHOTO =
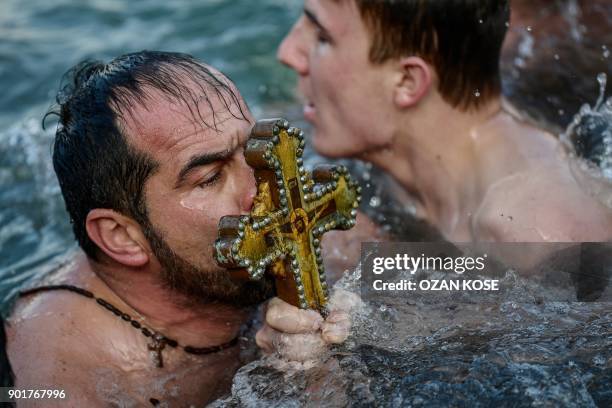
602,79
374,202
589,142
572,14
520,349
525,49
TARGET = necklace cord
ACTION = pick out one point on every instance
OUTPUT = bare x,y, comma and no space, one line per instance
159,340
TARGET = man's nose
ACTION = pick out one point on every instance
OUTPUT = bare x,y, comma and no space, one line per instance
292,51
249,189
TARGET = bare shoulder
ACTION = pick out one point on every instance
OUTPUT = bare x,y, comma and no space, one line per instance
49,343
544,204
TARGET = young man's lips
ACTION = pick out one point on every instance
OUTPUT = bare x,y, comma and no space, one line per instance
309,112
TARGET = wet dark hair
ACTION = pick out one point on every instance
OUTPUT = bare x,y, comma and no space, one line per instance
95,164
462,39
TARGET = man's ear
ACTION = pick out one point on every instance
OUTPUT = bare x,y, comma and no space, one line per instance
415,79
118,236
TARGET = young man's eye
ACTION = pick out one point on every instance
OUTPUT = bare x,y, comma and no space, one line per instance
209,181
323,38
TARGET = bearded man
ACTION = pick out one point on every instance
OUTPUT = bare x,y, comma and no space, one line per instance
149,157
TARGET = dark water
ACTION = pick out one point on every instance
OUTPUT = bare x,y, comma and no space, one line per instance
554,51
41,39
519,349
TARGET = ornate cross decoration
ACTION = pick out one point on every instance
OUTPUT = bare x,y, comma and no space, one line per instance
292,210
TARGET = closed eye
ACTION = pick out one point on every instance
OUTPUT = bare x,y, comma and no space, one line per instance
212,180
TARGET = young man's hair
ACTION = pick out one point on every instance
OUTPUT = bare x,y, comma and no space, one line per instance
95,164
462,39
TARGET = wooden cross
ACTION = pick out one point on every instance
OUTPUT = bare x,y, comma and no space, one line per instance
292,210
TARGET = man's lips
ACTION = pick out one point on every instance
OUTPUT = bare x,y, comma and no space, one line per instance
309,111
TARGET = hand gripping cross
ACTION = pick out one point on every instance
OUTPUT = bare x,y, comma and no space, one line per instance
292,210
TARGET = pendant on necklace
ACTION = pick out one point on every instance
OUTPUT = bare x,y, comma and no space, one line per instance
158,343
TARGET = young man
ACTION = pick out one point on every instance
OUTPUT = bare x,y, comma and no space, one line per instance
149,156
414,87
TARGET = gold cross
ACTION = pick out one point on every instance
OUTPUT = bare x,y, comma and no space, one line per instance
292,210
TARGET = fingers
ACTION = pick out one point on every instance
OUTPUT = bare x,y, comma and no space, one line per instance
265,338
300,347
336,328
289,319
293,347
301,335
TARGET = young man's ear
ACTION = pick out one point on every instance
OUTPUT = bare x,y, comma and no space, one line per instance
414,80
118,236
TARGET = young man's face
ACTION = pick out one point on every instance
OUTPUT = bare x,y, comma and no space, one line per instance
202,176
345,95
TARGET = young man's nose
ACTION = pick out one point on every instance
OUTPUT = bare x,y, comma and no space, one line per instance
292,51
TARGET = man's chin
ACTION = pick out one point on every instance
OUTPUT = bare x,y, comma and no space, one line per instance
216,285
252,293
233,290
243,291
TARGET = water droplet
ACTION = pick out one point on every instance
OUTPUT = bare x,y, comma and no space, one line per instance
519,62
529,29
599,360
477,93
374,201
602,78
585,109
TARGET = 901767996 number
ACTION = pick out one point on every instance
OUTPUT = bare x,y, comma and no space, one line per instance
35,393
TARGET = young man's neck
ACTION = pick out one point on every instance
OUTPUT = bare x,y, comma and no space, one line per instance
192,323
434,156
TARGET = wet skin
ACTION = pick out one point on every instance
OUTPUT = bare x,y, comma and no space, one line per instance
66,341
478,175
70,342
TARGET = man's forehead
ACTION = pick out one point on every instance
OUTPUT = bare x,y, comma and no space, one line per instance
161,124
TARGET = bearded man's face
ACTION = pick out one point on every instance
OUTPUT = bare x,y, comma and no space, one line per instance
202,175
205,285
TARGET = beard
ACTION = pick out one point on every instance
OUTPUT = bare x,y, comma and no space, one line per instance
205,285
